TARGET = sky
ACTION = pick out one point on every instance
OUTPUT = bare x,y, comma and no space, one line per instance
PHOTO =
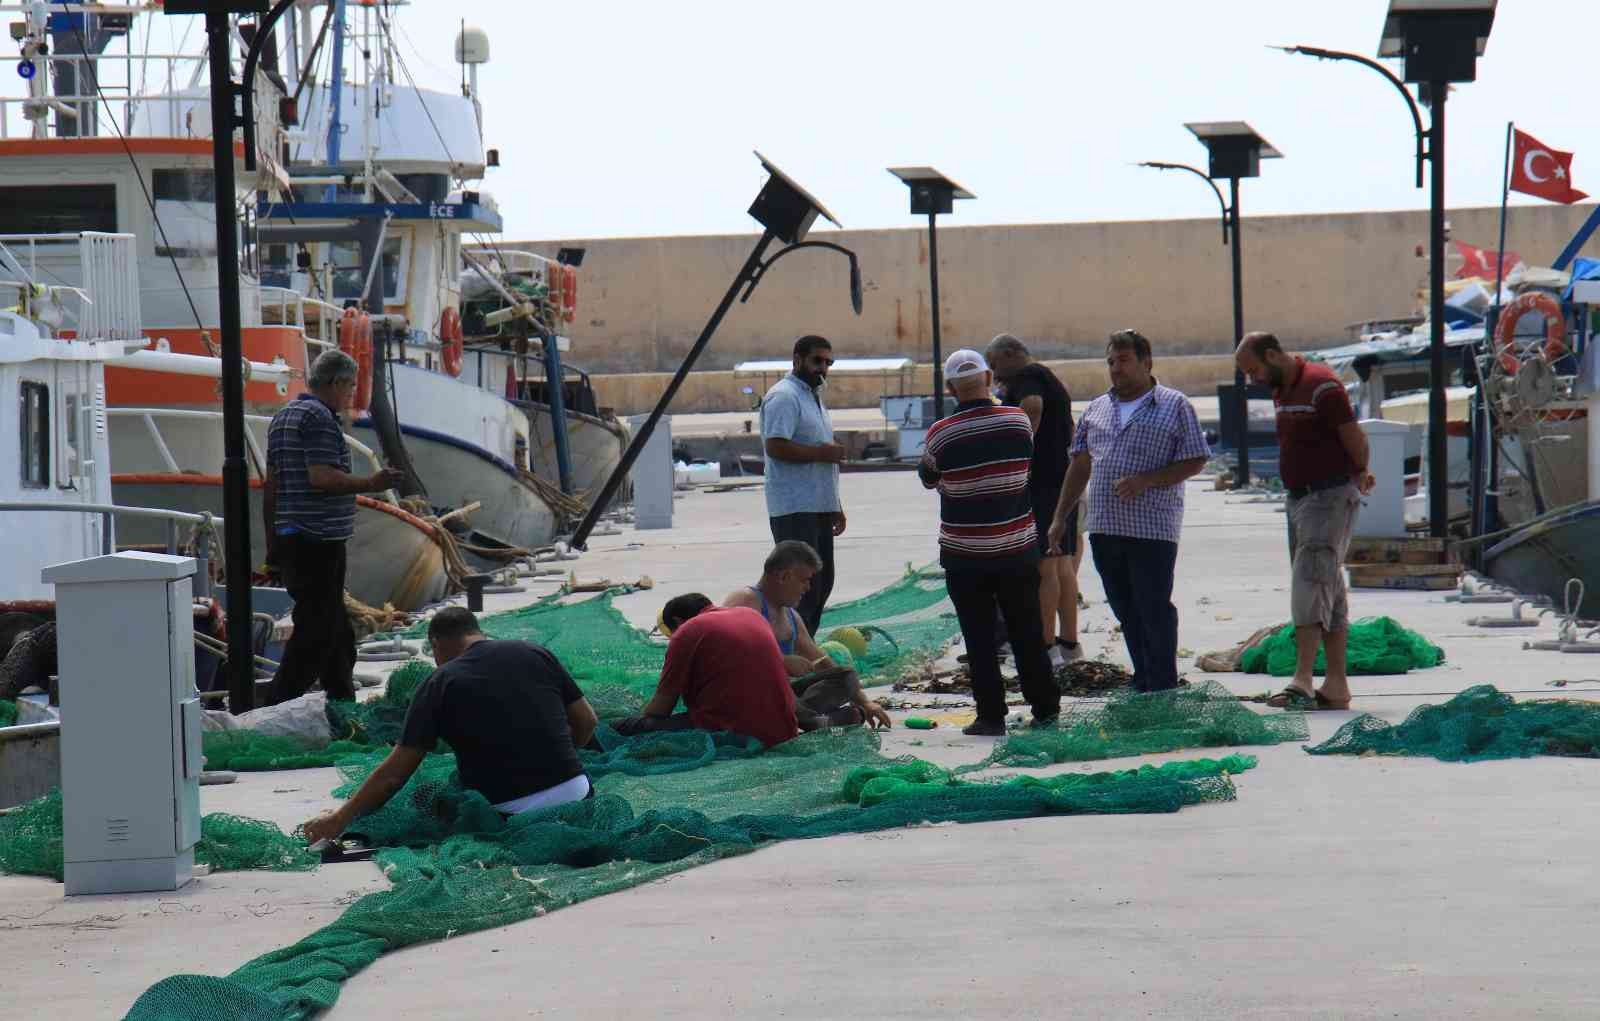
634,118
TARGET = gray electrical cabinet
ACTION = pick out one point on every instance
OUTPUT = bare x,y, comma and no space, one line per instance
654,475
130,722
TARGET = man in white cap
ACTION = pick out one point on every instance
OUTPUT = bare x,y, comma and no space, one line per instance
978,459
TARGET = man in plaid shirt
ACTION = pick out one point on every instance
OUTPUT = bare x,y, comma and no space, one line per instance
1134,448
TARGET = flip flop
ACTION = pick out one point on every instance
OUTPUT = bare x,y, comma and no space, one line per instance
1327,704
1293,699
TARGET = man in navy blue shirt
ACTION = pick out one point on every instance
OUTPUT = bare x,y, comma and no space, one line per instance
309,506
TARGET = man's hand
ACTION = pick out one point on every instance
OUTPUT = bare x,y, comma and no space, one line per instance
385,479
1130,487
326,826
1058,531
1365,482
874,716
838,523
833,453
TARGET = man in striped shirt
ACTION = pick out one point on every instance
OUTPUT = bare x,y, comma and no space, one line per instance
978,459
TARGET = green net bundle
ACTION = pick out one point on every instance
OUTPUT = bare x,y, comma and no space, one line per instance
1376,645
1145,723
8,712
247,751
479,871
1480,723
30,842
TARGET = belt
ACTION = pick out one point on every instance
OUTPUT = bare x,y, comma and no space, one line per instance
1301,492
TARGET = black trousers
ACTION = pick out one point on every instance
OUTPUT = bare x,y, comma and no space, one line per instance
816,531
1137,577
323,646
977,593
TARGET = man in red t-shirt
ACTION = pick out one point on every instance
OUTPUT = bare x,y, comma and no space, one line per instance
1322,456
726,666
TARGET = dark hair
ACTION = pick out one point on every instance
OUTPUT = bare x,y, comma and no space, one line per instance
809,343
1260,342
451,623
791,553
683,608
1130,340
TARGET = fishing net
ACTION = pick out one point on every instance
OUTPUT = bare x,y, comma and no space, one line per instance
1480,723
8,712
1146,723
480,871
1376,645
30,842
247,751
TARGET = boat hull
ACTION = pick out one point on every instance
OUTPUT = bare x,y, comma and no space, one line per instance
596,446
1541,556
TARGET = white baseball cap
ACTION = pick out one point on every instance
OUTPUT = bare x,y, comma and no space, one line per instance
963,363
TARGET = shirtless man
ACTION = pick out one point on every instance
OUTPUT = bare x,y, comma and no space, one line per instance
828,693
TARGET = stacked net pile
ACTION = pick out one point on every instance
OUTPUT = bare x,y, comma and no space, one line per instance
1145,723
30,842
1480,723
650,818
1377,645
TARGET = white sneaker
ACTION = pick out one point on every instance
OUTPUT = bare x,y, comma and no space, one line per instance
1057,657
1069,654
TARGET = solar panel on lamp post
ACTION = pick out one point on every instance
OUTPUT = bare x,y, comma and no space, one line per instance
932,193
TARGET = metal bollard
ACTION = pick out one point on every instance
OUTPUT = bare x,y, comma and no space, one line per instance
475,583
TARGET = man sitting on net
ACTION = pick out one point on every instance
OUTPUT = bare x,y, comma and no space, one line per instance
508,709
725,665
826,693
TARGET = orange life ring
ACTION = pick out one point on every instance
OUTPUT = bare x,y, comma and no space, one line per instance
1505,331
569,294
555,276
451,349
355,340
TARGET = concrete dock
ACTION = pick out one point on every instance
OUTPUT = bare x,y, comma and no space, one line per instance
1333,887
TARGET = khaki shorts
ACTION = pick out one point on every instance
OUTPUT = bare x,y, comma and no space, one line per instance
1321,524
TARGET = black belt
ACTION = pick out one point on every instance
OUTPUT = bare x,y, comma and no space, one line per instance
1301,492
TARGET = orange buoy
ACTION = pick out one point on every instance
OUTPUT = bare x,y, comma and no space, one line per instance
355,340
1505,331
451,348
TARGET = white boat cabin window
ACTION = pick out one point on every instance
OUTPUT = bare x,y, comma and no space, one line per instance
348,279
185,207
57,209
35,418
71,418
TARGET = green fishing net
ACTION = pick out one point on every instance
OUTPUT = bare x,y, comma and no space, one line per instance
1480,723
30,842
247,751
8,712
1146,723
1376,645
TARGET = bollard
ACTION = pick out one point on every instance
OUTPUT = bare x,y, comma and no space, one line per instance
475,583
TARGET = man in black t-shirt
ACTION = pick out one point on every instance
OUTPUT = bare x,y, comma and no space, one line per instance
509,710
1042,397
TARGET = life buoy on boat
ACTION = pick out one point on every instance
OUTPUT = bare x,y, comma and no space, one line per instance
569,293
1505,331
355,340
451,348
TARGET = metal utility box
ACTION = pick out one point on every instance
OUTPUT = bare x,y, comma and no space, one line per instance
1383,510
654,475
130,734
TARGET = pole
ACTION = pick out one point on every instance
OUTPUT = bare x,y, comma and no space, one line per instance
1241,396
581,535
933,293
235,481
1438,469
335,97
556,399
1484,448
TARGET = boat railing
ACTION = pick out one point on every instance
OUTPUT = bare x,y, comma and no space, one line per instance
259,461
300,310
107,511
107,283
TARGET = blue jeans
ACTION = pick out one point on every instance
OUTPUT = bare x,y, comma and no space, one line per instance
1137,577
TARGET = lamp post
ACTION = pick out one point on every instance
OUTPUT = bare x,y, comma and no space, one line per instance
786,211
1235,151
1440,42
932,193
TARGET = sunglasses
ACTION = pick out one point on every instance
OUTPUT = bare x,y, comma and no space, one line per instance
821,360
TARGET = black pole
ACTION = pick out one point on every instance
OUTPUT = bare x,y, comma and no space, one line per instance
1438,470
1241,396
603,499
235,480
933,293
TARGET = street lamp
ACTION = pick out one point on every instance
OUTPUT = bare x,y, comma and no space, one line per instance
787,212
932,193
1440,42
1235,151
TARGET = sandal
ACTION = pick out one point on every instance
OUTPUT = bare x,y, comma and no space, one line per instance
1329,705
1294,699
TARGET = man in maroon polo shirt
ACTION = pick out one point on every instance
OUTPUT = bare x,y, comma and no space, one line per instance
1322,456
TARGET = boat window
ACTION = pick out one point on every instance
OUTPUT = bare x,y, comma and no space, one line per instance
57,209
71,413
184,206
348,278
35,417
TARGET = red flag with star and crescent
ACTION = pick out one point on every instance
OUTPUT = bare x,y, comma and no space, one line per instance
1537,169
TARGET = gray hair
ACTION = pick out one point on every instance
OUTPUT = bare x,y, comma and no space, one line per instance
1006,344
331,367
791,553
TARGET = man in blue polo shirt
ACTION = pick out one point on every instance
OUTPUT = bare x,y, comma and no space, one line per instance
802,471
309,506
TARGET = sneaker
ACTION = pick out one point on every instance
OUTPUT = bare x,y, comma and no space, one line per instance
1058,658
1070,653
985,728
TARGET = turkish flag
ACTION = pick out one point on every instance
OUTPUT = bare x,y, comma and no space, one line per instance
1537,169
1480,262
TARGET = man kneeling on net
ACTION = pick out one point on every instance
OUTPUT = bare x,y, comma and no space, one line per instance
509,710
826,693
